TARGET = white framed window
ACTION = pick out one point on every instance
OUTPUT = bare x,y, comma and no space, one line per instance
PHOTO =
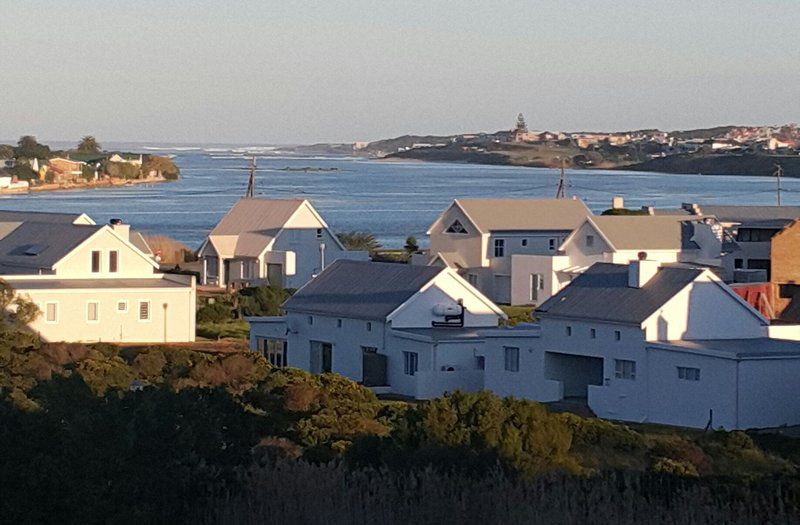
144,310
51,312
93,312
536,284
511,357
410,363
625,369
589,241
122,306
456,227
113,261
96,261
472,279
499,247
688,373
552,244
275,350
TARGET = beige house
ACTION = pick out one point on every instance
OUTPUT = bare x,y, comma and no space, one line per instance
91,282
480,237
270,241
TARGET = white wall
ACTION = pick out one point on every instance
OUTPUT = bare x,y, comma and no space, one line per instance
471,245
768,392
549,266
131,263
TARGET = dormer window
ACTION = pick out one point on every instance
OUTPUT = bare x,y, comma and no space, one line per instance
456,227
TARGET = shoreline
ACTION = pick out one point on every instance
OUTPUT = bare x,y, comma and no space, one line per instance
111,183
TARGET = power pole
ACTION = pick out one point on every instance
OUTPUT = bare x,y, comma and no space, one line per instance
561,192
779,173
251,185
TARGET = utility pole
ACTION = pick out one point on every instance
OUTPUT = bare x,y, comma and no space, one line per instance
778,173
251,185
561,192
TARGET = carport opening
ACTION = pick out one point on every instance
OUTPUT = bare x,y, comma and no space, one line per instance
576,373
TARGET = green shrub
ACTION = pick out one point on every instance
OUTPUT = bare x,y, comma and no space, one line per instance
674,467
262,300
230,329
214,313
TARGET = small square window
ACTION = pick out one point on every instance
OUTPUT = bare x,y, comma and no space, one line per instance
144,311
625,369
319,233
524,242
688,373
369,326
568,331
592,333
617,335
552,244
338,323
310,319
590,241
122,306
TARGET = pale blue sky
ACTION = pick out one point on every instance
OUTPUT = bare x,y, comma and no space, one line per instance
305,71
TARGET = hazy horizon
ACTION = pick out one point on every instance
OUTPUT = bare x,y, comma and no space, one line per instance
293,73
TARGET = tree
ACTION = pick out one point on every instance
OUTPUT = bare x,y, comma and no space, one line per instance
28,147
411,244
361,241
6,151
160,166
88,144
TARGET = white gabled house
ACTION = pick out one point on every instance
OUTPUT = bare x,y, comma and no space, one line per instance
270,241
404,329
481,237
91,282
648,343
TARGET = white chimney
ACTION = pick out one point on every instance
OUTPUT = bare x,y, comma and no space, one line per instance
617,203
640,272
123,230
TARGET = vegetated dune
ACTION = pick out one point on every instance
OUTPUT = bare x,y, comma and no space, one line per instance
171,250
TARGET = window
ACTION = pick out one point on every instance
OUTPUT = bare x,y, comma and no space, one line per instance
617,335
738,263
144,310
589,241
310,319
369,349
51,312
624,369
113,261
472,279
480,362
568,331
95,262
410,363
456,227
499,247
122,306
93,311
511,358
536,284
319,233
592,333
338,323
524,242
275,352
552,244
369,326
688,374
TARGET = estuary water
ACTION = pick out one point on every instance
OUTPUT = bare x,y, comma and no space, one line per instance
390,199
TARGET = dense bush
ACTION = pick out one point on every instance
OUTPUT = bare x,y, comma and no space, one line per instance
214,313
262,300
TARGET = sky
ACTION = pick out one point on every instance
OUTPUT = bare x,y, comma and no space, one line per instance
267,72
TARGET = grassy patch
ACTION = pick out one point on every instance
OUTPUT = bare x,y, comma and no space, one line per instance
518,314
230,329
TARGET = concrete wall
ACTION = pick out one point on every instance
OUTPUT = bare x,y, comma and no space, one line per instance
175,323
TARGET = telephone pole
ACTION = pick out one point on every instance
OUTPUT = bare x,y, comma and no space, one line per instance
778,173
561,192
251,185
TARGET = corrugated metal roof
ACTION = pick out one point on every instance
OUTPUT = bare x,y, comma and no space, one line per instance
53,241
525,214
750,213
38,216
602,293
361,289
251,225
752,348
646,232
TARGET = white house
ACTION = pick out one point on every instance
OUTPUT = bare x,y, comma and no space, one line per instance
270,241
617,239
405,329
645,343
91,282
481,237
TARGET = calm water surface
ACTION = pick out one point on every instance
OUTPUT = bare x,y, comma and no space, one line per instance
390,199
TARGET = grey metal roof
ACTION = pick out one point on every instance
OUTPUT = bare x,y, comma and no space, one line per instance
750,213
34,245
38,216
93,284
602,293
525,214
361,289
648,232
740,348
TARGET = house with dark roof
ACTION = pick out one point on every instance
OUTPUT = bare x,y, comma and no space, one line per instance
92,282
653,343
480,237
409,330
283,242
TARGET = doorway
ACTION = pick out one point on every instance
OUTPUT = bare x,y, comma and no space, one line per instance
321,357
576,373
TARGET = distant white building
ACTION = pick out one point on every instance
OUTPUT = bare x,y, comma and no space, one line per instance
270,241
402,329
651,344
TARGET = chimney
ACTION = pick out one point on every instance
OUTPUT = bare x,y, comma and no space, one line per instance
123,230
617,203
641,271
649,210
